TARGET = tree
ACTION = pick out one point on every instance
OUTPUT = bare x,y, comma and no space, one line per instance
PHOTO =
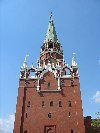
96,122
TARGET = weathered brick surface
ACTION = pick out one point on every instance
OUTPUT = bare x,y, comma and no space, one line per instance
37,120
41,106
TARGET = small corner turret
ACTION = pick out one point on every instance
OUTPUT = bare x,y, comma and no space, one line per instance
74,66
23,69
25,62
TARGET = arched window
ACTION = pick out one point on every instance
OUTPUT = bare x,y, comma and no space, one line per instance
60,104
49,115
48,84
42,103
31,74
50,45
28,105
69,114
51,103
69,103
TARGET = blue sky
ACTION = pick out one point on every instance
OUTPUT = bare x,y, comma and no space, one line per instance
23,27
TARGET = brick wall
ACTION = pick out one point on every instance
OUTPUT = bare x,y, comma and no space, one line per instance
41,117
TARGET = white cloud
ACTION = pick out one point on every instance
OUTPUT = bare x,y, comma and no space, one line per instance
6,125
96,97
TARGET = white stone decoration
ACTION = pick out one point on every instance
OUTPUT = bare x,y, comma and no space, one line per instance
73,60
25,62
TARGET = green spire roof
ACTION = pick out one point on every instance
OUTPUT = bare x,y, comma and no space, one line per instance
51,32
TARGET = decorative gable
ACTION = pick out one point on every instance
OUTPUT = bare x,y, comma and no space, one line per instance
48,82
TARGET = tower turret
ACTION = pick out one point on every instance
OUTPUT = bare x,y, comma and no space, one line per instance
74,66
51,50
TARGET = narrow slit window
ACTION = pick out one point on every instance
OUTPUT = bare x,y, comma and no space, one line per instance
49,115
42,103
51,104
69,114
26,83
35,84
60,104
69,104
72,82
28,105
48,84
72,131
26,115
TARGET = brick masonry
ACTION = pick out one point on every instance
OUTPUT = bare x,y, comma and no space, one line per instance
50,101
37,114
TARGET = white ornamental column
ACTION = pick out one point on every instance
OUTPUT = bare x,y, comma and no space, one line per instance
38,86
58,83
58,74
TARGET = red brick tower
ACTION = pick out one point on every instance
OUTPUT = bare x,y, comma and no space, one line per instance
49,101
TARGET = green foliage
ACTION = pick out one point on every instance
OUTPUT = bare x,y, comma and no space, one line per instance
95,123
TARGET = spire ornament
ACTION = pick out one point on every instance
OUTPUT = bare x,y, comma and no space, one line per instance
51,32
25,62
51,16
74,66
73,60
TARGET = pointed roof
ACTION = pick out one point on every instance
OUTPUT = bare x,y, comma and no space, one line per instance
51,32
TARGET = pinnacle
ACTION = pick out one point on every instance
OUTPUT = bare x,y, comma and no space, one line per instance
51,32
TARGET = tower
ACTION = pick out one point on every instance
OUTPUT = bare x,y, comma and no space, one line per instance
49,101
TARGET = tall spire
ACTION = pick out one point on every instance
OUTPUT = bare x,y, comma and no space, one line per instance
51,32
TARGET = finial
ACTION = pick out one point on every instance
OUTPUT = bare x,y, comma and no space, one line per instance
25,61
74,54
50,16
73,60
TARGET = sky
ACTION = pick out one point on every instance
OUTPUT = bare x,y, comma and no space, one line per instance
23,27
